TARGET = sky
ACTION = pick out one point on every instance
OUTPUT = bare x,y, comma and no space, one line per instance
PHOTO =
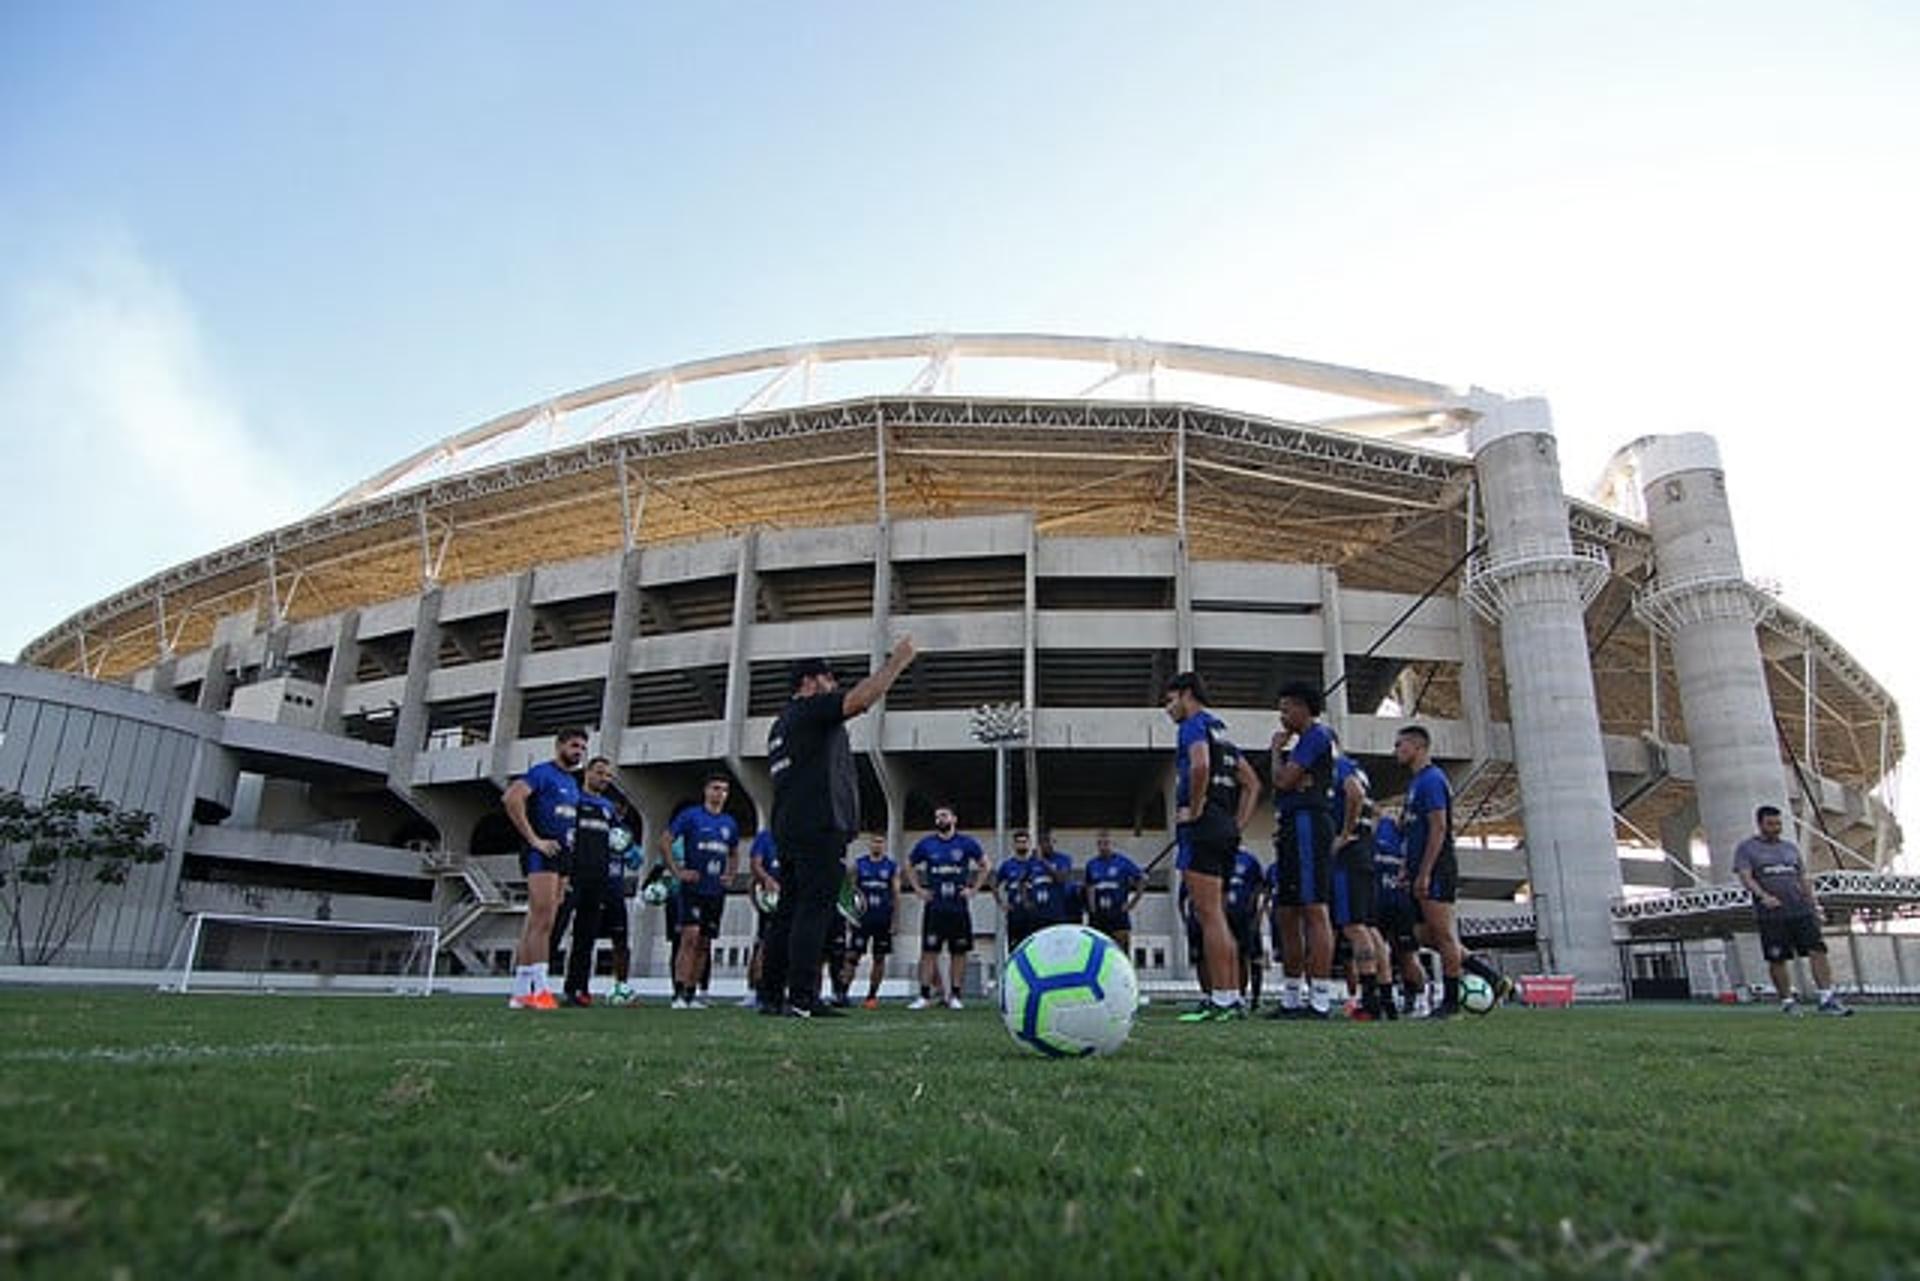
251,254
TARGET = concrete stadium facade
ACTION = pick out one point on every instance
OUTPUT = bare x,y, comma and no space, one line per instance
358,687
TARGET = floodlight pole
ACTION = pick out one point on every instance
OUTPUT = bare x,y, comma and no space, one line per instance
1000,726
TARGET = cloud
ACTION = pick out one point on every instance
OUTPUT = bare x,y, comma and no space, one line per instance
128,450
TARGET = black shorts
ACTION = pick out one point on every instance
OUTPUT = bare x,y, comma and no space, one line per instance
873,934
1208,846
1303,844
532,861
1245,928
1394,915
1353,885
1784,937
1020,928
703,910
613,913
1112,925
1444,885
951,930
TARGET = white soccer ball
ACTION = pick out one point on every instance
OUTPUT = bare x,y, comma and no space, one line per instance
1476,994
1069,991
656,892
766,901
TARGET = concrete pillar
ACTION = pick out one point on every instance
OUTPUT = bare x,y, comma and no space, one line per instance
892,783
1534,585
216,682
1676,838
626,625
1708,614
509,700
746,595
343,669
1333,661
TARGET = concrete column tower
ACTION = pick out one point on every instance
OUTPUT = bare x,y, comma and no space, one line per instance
1535,585
1708,613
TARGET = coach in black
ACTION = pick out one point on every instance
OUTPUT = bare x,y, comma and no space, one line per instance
816,812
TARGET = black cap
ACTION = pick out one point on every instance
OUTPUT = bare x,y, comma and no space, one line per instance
801,668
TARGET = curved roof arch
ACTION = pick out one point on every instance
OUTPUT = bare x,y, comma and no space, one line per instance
1354,400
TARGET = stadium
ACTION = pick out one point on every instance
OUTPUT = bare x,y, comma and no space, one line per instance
323,716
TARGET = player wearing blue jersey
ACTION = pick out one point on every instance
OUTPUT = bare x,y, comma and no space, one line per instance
1246,886
945,869
541,804
876,881
1304,752
1215,791
709,847
1114,886
1394,918
1351,904
1427,820
763,887
1013,890
1054,898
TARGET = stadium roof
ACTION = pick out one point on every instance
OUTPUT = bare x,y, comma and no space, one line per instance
1253,456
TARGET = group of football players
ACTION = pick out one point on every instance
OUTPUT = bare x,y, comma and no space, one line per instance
1346,888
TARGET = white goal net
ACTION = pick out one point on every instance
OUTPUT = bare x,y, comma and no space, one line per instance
233,952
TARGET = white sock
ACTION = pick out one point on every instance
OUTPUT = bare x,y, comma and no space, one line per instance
1225,1000
1826,994
1290,994
539,978
523,980
1322,995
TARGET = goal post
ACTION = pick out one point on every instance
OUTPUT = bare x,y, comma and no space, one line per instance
232,951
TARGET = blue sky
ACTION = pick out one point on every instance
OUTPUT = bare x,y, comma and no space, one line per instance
286,245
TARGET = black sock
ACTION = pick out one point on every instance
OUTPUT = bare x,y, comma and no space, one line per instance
1389,1007
1475,965
1369,996
926,992
1413,990
1450,991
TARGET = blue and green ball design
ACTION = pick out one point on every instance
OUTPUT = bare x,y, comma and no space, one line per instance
1068,992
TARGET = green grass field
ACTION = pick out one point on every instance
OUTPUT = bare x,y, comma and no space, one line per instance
161,1136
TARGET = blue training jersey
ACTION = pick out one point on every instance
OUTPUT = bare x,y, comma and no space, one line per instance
946,865
873,877
1110,883
1223,785
1243,883
765,853
1314,752
553,802
1389,858
1011,878
707,842
1428,794
1344,768
1047,884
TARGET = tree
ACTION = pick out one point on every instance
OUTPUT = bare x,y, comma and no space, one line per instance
58,859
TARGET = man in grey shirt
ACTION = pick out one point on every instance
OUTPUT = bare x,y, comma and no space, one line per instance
1784,909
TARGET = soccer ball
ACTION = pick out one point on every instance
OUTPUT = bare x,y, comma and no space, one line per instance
765,900
657,892
1068,992
1476,994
